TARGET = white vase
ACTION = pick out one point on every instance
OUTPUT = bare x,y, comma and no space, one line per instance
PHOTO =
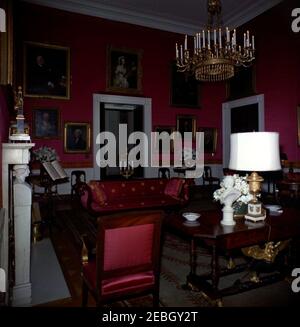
228,216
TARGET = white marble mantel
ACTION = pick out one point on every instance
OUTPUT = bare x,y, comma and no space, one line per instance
17,154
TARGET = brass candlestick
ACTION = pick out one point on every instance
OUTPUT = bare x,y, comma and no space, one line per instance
126,170
19,131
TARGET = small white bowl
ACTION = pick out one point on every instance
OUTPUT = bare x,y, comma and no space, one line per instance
273,207
191,216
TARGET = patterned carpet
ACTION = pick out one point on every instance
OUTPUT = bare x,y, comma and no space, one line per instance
174,269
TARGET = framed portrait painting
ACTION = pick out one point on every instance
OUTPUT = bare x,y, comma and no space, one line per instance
46,123
185,89
210,139
46,71
186,123
77,137
124,70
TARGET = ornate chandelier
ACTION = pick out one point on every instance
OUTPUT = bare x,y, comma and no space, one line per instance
216,52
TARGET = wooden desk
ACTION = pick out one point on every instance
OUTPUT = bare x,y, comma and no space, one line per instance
227,238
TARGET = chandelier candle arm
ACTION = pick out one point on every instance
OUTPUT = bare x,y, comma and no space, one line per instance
210,60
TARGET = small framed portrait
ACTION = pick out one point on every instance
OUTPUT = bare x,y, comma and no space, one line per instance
77,137
160,129
46,123
124,70
185,89
186,123
210,139
46,71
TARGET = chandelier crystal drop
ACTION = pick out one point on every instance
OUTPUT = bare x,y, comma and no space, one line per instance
216,52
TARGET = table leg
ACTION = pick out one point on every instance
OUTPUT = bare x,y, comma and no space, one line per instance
215,271
189,285
193,257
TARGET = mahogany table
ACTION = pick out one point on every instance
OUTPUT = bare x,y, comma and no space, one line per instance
227,238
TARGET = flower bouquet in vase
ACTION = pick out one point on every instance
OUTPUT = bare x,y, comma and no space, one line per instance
45,154
234,189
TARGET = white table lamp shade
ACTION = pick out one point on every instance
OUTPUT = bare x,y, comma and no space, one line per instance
255,151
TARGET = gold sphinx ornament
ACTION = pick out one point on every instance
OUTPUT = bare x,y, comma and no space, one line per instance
19,131
267,253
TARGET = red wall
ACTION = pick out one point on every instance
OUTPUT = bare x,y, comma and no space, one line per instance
278,73
88,38
277,69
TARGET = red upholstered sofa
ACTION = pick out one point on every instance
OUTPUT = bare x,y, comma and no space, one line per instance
103,197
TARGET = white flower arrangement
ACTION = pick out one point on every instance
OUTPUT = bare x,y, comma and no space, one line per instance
44,154
237,182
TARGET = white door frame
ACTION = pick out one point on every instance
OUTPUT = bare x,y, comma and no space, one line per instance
120,99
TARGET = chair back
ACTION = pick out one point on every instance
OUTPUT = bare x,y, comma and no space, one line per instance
207,172
127,244
78,178
164,172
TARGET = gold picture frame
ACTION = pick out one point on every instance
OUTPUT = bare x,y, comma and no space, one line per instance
124,70
186,123
210,138
77,137
46,71
7,44
46,123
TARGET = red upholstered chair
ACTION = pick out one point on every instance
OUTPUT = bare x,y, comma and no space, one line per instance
127,261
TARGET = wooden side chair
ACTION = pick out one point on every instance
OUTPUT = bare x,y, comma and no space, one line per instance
77,177
127,260
208,178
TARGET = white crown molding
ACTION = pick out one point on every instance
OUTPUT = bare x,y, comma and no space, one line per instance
121,15
94,8
246,14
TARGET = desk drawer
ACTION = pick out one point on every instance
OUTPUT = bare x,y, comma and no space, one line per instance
242,239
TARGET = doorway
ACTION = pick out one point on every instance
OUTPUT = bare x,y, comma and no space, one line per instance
112,115
108,112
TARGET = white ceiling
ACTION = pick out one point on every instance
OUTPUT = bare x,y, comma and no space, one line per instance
180,16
